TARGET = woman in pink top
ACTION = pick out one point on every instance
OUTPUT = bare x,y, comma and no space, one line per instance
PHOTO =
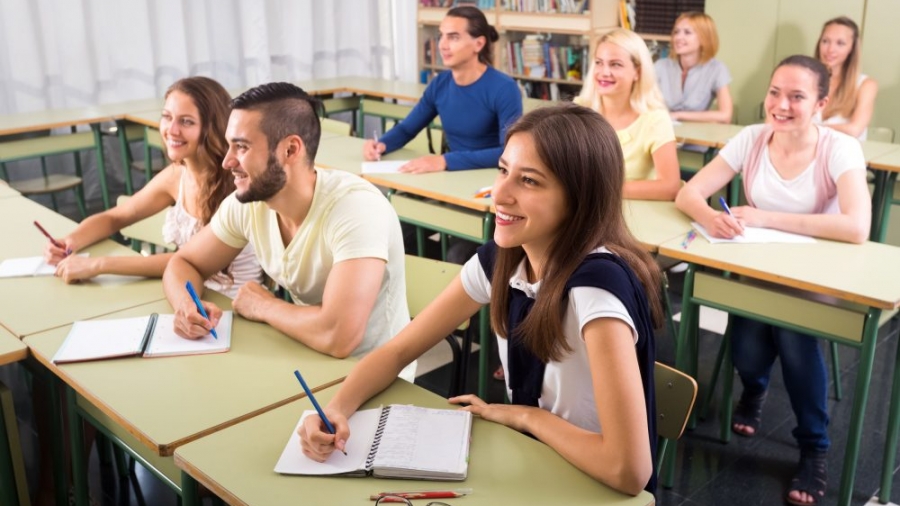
802,178
193,128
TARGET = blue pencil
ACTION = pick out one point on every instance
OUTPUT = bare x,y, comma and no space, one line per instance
190,289
315,404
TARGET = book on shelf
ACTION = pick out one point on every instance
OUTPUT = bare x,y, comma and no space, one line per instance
142,336
396,441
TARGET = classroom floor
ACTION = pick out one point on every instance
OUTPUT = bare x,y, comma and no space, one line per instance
745,472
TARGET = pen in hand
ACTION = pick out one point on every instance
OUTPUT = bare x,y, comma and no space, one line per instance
315,404
52,240
193,294
377,153
727,209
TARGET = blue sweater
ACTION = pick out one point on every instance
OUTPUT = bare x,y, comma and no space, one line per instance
474,118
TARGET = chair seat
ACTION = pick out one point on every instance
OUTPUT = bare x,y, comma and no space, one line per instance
140,166
45,146
50,184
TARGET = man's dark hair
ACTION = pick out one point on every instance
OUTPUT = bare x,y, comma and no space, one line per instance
286,110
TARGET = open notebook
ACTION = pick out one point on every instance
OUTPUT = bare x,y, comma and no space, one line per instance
28,266
143,336
756,235
396,441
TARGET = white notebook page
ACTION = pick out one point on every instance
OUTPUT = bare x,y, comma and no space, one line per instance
383,167
166,342
28,266
424,439
95,339
362,430
756,235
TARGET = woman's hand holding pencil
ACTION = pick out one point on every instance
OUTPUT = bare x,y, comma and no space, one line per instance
55,251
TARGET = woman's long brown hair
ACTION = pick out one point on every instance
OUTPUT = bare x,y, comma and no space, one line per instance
582,150
214,105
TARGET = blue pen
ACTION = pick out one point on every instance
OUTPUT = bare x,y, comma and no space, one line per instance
725,206
190,289
315,404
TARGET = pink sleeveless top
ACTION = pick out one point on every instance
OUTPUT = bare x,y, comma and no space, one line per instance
826,188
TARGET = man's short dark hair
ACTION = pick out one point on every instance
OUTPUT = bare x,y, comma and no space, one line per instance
286,110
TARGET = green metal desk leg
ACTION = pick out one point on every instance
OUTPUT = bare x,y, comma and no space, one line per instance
8,488
101,166
60,482
860,398
126,158
725,411
148,161
76,444
484,320
890,444
887,200
190,490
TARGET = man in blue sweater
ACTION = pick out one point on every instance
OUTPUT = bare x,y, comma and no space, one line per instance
476,103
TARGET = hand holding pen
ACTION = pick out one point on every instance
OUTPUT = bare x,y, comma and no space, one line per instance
728,225
373,149
314,446
194,319
55,251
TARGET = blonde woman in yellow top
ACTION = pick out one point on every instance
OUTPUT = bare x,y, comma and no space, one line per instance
621,85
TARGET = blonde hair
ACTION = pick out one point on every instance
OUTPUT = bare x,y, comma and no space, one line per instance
645,94
705,28
844,99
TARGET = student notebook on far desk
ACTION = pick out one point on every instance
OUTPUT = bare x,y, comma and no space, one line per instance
28,267
143,336
396,441
383,166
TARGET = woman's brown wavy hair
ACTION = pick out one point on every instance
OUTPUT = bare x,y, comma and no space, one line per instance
214,105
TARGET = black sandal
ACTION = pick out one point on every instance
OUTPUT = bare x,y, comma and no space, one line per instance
811,477
748,413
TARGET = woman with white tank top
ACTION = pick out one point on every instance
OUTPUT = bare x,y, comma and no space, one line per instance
192,126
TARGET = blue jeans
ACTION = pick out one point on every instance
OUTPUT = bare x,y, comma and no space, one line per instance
754,348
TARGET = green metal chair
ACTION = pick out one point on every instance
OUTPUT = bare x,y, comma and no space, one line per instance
128,133
675,396
42,147
147,231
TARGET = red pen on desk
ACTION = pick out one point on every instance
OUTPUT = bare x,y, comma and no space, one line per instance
432,494
52,240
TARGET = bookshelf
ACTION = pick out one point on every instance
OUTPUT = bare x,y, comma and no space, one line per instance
544,44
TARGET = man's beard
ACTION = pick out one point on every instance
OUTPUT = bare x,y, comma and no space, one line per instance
267,184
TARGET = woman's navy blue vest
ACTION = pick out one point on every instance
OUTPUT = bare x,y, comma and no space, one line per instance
599,270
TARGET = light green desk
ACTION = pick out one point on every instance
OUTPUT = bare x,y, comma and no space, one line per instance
713,135
370,86
29,305
836,291
13,487
654,222
886,165
151,406
505,467
346,153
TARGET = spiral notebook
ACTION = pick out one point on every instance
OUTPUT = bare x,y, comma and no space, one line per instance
396,441
143,336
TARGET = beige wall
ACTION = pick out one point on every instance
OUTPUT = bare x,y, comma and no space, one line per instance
755,35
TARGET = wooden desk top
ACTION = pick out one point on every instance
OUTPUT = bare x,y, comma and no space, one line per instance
655,222
55,118
505,467
453,187
714,135
148,118
345,153
11,348
866,273
889,161
29,305
168,401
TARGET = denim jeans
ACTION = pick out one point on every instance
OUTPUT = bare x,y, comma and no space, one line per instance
754,348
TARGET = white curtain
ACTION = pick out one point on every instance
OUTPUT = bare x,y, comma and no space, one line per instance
72,53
